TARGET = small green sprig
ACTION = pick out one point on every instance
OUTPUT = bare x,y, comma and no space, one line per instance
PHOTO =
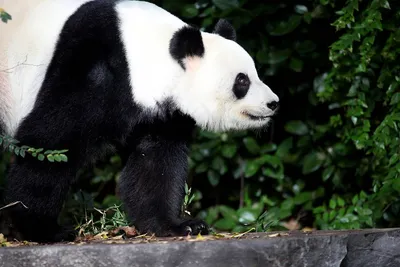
10,144
4,16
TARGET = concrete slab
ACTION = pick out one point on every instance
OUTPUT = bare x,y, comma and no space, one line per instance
363,248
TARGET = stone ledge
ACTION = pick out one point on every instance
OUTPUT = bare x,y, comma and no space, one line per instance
366,248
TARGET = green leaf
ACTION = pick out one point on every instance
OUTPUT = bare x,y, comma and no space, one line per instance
228,212
365,212
302,198
48,152
277,174
251,145
218,164
327,173
325,217
332,214
202,167
229,150
301,9
186,188
16,150
278,56
190,11
332,203
285,27
394,159
395,99
57,158
355,199
50,157
363,195
340,202
287,204
320,209
284,147
270,147
212,215
312,162
252,167
247,216
296,127
41,157
213,177
224,224
226,4
386,4
296,64
5,17
274,161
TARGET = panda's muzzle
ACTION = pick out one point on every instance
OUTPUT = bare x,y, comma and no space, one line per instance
255,117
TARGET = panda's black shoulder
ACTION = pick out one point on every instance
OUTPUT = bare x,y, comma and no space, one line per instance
88,15
90,35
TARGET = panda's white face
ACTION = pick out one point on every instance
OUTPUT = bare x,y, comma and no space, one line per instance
222,91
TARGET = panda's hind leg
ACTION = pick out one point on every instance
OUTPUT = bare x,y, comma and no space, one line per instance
38,190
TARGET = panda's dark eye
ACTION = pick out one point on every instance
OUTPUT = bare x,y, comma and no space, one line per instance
241,78
241,85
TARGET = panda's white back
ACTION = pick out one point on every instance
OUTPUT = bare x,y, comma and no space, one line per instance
27,43
26,48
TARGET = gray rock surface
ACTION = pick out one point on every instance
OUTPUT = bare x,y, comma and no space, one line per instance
364,248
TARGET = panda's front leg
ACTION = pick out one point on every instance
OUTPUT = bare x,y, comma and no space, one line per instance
152,187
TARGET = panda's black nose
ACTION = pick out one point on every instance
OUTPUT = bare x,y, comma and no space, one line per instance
273,105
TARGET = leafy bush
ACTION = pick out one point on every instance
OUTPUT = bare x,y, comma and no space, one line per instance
333,66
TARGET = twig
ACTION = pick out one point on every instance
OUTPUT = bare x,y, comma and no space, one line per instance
13,204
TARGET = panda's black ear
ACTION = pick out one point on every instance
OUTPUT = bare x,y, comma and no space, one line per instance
186,42
225,29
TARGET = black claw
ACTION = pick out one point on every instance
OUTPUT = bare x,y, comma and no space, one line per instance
194,227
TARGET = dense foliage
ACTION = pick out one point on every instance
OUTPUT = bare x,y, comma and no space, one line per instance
331,159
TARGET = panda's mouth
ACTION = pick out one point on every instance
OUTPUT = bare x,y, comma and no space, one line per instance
256,117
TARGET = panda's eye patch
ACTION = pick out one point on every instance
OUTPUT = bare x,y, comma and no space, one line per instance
242,79
241,85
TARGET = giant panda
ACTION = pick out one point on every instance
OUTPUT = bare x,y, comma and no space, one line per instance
96,76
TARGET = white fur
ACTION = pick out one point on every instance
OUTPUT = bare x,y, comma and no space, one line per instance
206,93
203,91
146,30
26,46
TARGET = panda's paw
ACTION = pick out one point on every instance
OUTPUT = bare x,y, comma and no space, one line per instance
66,234
193,227
62,234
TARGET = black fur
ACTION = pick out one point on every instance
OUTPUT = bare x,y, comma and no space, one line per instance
186,42
158,166
2,128
241,85
225,29
85,105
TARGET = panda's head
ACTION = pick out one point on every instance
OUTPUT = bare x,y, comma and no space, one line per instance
220,88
